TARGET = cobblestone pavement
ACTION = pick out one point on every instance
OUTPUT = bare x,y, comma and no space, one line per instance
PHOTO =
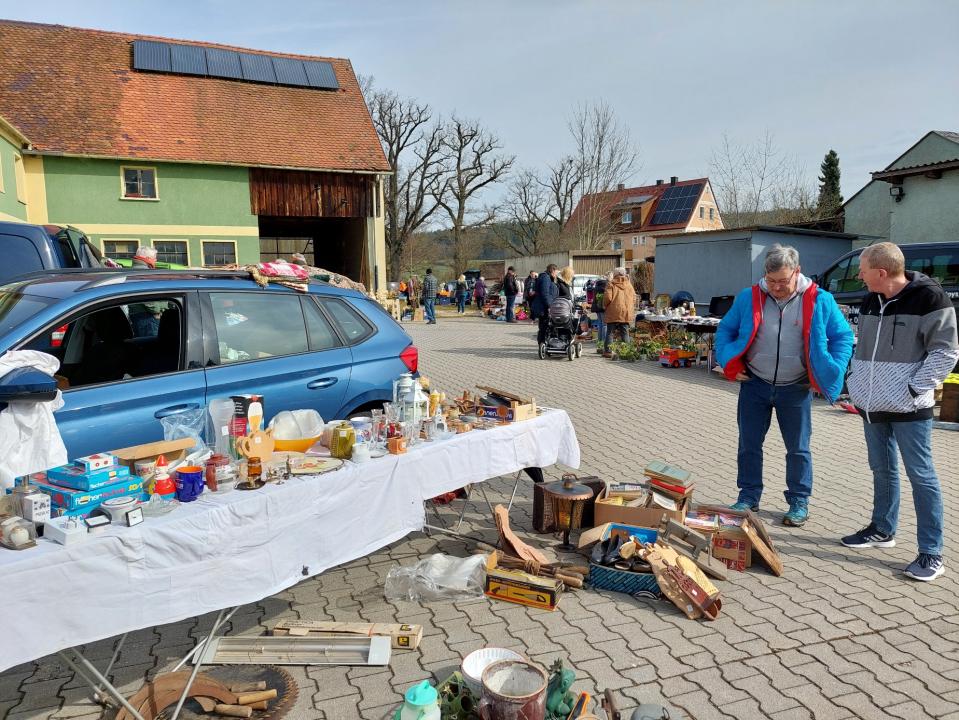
842,634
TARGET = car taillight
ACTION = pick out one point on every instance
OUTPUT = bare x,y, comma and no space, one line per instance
411,358
56,337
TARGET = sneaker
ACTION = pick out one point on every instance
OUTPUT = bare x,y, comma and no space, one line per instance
798,513
743,506
925,567
869,537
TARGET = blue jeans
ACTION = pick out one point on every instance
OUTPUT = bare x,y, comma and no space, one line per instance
461,303
510,301
602,326
754,413
430,310
913,440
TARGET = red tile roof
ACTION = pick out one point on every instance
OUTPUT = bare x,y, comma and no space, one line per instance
610,200
74,91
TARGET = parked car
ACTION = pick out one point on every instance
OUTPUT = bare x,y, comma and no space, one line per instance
137,346
160,265
28,248
579,286
937,260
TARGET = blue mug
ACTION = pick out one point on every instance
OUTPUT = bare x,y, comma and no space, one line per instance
189,483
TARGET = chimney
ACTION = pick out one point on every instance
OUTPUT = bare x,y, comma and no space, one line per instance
673,180
659,182
621,186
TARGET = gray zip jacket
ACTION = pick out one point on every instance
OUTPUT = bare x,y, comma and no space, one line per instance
907,345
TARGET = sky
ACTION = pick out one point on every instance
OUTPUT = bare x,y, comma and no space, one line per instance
866,78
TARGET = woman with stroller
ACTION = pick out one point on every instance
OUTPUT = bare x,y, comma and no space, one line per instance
461,293
565,283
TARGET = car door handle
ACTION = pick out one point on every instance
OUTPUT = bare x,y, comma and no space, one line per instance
322,383
174,409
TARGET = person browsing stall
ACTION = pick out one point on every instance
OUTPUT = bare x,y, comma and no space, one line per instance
429,296
619,300
782,337
511,290
545,292
907,346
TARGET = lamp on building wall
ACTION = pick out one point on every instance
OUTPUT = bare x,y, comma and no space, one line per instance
897,192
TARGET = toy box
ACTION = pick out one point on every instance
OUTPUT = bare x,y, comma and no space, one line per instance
72,499
75,477
99,461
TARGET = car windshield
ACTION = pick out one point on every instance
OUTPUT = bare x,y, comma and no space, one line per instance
16,307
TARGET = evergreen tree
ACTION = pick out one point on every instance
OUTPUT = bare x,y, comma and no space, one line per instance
830,198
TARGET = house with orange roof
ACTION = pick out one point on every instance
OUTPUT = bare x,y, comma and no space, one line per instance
211,154
630,219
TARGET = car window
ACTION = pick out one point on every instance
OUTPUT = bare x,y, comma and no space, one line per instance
15,308
258,325
832,278
939,263
67,250
20,257
852,283
321,334
119,342
351,323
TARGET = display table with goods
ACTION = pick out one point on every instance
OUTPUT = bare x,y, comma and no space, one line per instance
218,550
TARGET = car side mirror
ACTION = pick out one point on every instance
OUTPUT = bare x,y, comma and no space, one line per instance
27,385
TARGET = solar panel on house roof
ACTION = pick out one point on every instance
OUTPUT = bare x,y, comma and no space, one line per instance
223,64
150,55
290,72
257,68
320,75
188,59
676,204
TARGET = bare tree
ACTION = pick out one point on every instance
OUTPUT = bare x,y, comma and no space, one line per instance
526,215
604,157
472,162
563,182
757,183
412,141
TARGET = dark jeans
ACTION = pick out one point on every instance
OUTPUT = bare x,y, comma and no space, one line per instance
510,301
792,403
543,329
461,303
619,328
429,310
913,440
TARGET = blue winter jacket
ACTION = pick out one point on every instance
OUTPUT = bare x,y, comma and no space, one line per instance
827,337
546,291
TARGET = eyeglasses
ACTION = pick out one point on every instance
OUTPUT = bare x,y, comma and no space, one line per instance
781,281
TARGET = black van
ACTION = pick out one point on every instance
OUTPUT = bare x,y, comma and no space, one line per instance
937,260
27,248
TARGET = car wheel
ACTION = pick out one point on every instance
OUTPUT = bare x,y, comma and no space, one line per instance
542,351
675,363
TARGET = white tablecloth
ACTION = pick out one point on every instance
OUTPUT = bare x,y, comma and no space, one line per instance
233,548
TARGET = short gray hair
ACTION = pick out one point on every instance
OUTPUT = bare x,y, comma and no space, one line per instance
619,271
145,251
781,256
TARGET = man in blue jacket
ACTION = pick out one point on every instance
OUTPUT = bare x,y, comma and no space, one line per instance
546,292
781,338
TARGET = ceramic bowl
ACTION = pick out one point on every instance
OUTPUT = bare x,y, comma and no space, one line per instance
477,661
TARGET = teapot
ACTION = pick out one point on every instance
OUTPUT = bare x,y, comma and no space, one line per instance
421,702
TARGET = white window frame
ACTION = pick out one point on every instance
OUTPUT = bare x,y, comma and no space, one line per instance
627,218
104,241
711,213
642,240
702,212
189,260
635,240
236,249
123,185
617,245
20,178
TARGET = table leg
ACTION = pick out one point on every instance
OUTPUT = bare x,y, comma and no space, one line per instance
186,658
106,673
101,680
196,665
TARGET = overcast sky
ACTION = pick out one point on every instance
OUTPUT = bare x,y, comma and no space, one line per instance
865,77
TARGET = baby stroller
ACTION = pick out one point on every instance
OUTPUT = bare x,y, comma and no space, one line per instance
563,326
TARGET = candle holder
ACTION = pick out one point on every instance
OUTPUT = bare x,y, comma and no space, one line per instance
567,498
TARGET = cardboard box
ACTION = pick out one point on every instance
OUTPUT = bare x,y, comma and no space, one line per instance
737,525
522,588
651,517
735,552
172,450
514,413
100,461
599,533
403,637
74,476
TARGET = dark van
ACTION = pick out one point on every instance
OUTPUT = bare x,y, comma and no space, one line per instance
28,248
937,260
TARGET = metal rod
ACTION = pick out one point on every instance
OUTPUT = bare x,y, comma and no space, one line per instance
466,502
513,494
107,685
106,673
196,647
196,666
79,671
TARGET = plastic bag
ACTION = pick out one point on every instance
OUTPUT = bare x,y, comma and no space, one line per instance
186,424
438,577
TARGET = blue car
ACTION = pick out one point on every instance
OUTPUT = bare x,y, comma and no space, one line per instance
135,346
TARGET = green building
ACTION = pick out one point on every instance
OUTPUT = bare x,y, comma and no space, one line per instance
211,154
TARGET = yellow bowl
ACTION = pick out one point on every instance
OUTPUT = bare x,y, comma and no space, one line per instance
299,445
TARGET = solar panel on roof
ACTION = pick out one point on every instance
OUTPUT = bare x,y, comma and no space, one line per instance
223,64
320,75
188,59
150,55
676,204
290,72
257,68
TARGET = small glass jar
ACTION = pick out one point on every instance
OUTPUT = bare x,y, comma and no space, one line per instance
217,468
254,470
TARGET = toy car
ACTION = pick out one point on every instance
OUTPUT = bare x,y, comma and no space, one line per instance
674,357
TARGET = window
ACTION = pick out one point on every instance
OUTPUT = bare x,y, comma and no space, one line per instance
120,249
635,240
702,212
20,178
832,280
320,331
711,210
627,218
941,264
617,244
258,325
354,326
139,183
172,251
642,240
219,252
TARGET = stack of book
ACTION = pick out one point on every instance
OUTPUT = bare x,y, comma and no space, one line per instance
669,480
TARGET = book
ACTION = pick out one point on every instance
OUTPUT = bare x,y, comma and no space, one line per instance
678,490
669,473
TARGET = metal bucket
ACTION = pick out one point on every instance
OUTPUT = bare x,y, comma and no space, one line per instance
513,690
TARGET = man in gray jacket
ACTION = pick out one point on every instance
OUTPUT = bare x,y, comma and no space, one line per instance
907,345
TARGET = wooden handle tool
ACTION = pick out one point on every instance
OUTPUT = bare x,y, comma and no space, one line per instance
238,711
252,697
246,687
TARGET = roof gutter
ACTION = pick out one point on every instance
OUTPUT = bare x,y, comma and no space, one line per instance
126,158
12,130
